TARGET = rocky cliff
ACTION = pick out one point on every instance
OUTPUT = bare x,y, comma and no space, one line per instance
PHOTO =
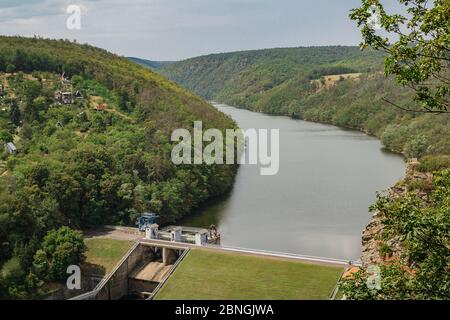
376,248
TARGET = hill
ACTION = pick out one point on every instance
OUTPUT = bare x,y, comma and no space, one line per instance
92,133
243,76
336,85
153,65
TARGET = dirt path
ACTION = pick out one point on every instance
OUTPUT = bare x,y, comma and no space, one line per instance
118,233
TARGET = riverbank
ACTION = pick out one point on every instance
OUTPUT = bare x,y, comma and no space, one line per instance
317,204
380,248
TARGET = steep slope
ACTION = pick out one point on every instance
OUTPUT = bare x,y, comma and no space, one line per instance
153,65
92,132
337,85
237,75
138,98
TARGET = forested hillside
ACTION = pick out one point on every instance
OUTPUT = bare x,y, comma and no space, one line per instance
91,132
154,65
337,85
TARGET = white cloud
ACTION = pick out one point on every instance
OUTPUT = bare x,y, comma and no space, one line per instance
173,29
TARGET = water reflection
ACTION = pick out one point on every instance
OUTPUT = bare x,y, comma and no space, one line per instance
316,204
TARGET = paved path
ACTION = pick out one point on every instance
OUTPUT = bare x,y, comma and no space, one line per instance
127,233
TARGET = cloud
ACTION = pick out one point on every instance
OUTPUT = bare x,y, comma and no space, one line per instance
174,29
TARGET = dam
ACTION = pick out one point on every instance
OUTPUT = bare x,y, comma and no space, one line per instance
152,260
143,269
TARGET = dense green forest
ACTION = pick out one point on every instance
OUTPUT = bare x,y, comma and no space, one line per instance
101,157
337,85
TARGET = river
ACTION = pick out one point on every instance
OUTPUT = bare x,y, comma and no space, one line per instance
318,202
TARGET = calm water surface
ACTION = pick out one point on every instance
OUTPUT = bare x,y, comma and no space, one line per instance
318,202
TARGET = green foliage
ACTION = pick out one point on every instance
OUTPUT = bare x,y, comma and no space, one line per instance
154,65
82,168
292,82
419,55
434,163
62,247
424,231
384,250
12,271
247,77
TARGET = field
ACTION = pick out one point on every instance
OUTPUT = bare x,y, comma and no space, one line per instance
103,254
205,274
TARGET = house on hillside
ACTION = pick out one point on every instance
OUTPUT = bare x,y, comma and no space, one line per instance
10,148
63,97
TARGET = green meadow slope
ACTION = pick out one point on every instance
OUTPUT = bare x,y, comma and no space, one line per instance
204,275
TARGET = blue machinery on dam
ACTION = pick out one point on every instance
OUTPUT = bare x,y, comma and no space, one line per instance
145,220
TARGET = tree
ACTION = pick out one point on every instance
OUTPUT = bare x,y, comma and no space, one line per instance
424,231
63,247
11,276
40,264
417,45
15,115
12,271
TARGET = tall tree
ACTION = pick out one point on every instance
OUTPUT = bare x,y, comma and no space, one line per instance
417,44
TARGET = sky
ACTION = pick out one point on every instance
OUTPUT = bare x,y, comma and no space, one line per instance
179,29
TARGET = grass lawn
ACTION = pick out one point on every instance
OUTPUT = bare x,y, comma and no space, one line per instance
103,254
205,274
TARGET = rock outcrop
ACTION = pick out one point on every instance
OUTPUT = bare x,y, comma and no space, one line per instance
372,240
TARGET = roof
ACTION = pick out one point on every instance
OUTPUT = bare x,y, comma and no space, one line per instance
11,146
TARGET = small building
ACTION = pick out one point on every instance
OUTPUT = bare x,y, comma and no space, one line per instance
2,90
63,97
201,238
145,220
67,97
10,148
151,231
197,236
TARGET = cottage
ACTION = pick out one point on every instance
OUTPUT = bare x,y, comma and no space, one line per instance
10,148
67,97
63,97
57,96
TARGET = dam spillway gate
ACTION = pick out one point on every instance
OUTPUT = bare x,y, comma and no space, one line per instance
139,274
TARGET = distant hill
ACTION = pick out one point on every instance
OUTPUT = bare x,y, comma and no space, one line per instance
244,77
153,65
339,85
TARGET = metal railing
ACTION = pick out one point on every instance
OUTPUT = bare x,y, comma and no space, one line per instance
166,277
91,294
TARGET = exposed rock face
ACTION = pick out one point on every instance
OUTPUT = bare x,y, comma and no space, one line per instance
372,234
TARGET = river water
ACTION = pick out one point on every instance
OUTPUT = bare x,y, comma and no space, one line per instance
318,202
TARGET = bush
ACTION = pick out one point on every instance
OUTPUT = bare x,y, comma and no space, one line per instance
12,271
434,163
63,247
